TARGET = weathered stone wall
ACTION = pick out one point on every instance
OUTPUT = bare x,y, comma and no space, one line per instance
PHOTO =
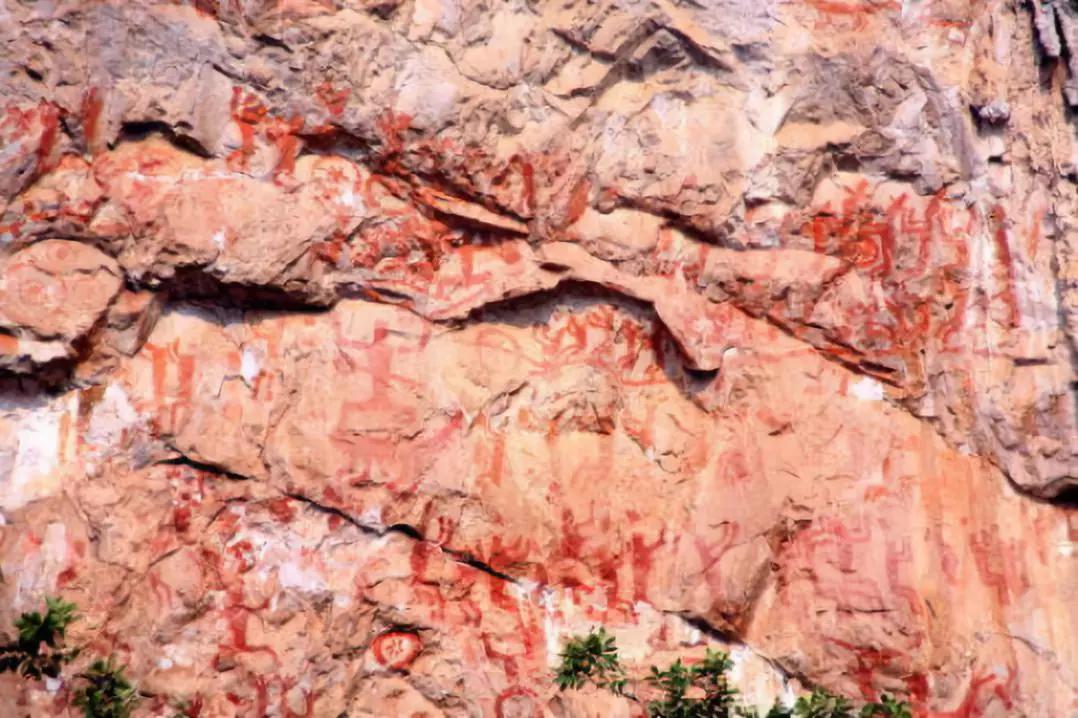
354,353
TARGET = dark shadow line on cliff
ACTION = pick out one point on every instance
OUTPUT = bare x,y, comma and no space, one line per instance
136,131
184,460
404,530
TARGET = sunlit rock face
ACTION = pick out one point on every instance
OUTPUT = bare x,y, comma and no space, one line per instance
353,355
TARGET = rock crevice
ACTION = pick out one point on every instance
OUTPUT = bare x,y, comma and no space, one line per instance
354,355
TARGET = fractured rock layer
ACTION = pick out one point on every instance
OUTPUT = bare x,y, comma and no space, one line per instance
356,354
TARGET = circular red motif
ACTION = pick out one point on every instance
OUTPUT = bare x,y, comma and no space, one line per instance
516,702
396,649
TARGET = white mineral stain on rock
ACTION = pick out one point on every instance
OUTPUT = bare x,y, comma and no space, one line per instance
353,201
523,589
758,681
372,517
294,574
250,365
179,653
733,144
1066,547
420,94
111,418
868,390
54,545
551,629
35,459
114,412
31,471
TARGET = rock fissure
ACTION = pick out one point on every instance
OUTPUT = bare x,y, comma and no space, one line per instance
355,358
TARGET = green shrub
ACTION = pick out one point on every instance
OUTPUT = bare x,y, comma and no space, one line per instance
38,651
107,693
591,659
714,696
701,690
822,704
888,707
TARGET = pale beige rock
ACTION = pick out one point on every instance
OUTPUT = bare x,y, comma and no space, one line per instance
355,354
57,288
52,294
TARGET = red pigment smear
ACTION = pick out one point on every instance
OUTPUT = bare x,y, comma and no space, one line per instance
998,224
578,201
334,100
92,107
50,120
642,560
869,660
181,518
396,649
282,510
236,616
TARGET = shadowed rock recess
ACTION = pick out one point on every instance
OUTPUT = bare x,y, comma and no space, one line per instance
356,353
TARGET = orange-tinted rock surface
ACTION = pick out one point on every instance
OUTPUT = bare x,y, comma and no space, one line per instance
356,354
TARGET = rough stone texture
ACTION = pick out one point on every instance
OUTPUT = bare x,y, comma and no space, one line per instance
355,353
52,293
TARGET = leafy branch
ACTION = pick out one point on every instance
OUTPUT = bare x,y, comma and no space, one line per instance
700,690
591,659
107,693
678,681
39,651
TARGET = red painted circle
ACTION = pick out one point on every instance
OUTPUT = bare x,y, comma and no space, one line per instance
397,649
516,702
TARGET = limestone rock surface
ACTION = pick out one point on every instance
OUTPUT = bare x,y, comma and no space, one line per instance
356,353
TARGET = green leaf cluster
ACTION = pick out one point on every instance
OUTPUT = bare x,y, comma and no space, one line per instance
107,692
887,707
38,651
822,704
591,659
701,690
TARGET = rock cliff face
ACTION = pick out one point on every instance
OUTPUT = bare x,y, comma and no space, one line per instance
355,353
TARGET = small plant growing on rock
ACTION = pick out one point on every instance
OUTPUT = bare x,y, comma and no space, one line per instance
823,704
888,707
591,659
107,693
700,690
38,651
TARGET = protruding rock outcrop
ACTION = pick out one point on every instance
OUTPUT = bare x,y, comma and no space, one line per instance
353,354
